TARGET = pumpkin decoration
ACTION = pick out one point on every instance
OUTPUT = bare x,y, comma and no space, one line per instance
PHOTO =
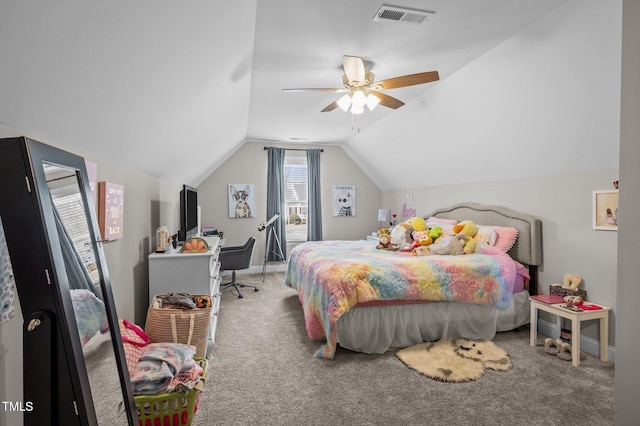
195,245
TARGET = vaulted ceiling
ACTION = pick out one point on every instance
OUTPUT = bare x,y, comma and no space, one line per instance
173,88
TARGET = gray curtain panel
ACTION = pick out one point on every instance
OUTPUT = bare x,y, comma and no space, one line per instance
314,213
275,202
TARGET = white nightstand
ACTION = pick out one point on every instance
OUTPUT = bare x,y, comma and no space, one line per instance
576,318
372,238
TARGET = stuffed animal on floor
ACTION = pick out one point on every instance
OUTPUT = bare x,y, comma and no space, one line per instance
571,281
449,245
469,229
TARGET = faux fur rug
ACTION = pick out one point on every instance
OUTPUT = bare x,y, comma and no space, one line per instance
455,360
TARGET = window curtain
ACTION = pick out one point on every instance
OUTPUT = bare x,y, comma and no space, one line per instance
275,203
76,271
314,213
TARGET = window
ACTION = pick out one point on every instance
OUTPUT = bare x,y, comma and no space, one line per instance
70,206
295,188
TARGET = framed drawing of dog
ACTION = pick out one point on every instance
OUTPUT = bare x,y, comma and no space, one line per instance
241,200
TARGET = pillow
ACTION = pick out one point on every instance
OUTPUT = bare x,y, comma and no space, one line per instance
433,221
447,228
486,235
90,313
506,237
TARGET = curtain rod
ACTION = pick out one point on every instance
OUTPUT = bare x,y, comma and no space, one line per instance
293,149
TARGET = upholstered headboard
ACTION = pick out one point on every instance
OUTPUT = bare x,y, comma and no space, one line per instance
528,246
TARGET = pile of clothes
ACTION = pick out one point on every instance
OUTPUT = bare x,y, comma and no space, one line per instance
180,301
166,368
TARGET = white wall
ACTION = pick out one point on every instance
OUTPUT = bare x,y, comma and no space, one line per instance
249,165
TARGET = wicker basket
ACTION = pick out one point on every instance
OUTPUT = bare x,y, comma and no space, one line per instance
174,409
190,326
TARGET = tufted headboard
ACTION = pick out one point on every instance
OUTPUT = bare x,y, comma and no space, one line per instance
528,246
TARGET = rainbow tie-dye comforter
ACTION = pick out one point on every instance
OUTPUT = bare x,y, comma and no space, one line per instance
333,276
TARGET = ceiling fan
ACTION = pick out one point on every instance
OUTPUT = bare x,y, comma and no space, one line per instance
364,90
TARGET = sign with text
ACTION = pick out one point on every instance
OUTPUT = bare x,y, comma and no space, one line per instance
110,210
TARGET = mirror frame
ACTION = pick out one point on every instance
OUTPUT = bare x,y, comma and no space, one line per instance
55,380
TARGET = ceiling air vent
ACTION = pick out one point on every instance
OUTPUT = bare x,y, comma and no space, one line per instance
402,14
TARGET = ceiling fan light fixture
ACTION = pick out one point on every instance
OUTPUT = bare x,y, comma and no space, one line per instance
372,101
344,102
359,99
357,109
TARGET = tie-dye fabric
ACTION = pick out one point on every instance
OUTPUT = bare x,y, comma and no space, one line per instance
333,276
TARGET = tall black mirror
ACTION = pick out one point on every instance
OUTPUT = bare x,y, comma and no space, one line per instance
74,365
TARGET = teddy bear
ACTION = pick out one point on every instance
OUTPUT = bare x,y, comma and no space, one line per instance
469,229
384,239
420,238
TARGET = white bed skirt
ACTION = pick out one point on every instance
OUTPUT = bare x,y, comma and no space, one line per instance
376,329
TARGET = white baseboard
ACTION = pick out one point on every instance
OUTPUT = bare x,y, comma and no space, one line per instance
587,344
257,269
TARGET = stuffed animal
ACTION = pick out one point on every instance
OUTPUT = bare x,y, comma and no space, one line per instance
435,232
417,223
420,238
384,239
449,245
571,281
469,229
401,234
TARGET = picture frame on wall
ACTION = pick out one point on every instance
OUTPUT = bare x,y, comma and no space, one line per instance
344,200
241,200
110,210
605,210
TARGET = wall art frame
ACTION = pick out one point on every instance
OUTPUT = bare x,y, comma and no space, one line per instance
605,210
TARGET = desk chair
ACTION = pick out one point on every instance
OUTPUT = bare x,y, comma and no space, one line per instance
234,259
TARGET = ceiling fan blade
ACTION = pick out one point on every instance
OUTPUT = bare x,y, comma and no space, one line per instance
354,69
388,101
330,107
408,80
317,89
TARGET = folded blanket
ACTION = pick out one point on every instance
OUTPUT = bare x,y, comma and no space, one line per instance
159,365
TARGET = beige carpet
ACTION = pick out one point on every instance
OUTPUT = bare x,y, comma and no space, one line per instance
455,360
263,372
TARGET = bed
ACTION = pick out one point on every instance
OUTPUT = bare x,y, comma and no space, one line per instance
370,300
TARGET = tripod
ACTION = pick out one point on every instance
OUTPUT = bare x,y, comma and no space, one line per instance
271,233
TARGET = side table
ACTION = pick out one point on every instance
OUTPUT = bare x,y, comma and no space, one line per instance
576,318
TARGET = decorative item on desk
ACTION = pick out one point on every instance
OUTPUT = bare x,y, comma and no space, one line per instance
195,245
162,239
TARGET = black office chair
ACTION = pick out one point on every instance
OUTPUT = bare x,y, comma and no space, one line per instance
234,259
